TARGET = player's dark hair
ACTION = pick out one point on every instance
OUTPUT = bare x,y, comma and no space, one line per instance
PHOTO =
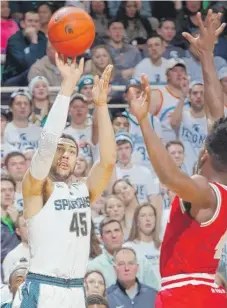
106,222
174,142
11,155
96,300
8,178
216,145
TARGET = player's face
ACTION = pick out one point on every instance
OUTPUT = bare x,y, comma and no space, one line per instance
21,107
124,153
112,236
65,159
87,91
175,75
44,14
155,48
168,30
7,194
224,84
31,20
95,284
120,124
40,90
17,167
22,230
81,166
177,153
101,58
126,266
125,192
196,97
116,32
146,220
115,209
78,111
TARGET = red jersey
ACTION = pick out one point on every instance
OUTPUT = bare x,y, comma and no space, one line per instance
192,247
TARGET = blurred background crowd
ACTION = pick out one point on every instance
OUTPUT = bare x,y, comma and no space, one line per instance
136,37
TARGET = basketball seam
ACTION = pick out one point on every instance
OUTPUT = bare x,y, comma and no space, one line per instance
69,39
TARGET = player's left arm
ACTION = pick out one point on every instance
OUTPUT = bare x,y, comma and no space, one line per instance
195,190
100,174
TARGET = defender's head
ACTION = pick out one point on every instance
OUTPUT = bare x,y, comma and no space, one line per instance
65,158
213,158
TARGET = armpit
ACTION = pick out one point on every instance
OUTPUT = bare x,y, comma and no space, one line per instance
31,186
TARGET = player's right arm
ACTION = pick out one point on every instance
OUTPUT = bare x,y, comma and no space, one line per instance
204,46
36,176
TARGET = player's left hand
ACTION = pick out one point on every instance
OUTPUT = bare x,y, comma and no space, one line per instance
140,106
209,32
101,87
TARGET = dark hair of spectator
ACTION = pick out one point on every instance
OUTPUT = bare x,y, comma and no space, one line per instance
216,145
155,35
134,233
11,155
118,115
105,12
113,20
121,142
163,20
174,142
95,249
99,273
124,248
96,300
17,223
67,136
49,4
34,11
8,178
106,222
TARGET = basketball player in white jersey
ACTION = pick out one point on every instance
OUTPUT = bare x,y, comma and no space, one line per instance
56,209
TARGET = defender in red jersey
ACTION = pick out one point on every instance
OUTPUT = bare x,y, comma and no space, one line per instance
197,226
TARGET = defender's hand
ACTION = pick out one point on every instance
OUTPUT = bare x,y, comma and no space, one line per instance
101,87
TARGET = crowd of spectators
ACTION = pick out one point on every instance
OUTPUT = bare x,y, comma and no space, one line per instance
129,219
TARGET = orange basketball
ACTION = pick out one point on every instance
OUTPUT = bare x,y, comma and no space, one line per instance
71,31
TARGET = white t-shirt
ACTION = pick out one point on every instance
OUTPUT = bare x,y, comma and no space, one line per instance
13,258
141,178
192,134
18,139
155,74
80,135
149,251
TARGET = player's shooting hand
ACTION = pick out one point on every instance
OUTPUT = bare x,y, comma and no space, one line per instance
70,73
101,87
209,32
140,106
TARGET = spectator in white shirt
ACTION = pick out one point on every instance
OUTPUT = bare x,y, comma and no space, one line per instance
20,133
139,176
80,127
20,252
115,209
16,166
155,65
142,238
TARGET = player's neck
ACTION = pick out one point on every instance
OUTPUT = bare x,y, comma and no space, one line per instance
146,238
20,123
219,177
197,114
55,178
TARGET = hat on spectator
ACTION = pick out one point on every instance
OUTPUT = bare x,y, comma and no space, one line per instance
124,136
175,62
36,79
85,80
20,92
195,82
133,83
222,73
78,96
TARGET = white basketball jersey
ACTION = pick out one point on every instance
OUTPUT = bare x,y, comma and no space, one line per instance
59,235
169,103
